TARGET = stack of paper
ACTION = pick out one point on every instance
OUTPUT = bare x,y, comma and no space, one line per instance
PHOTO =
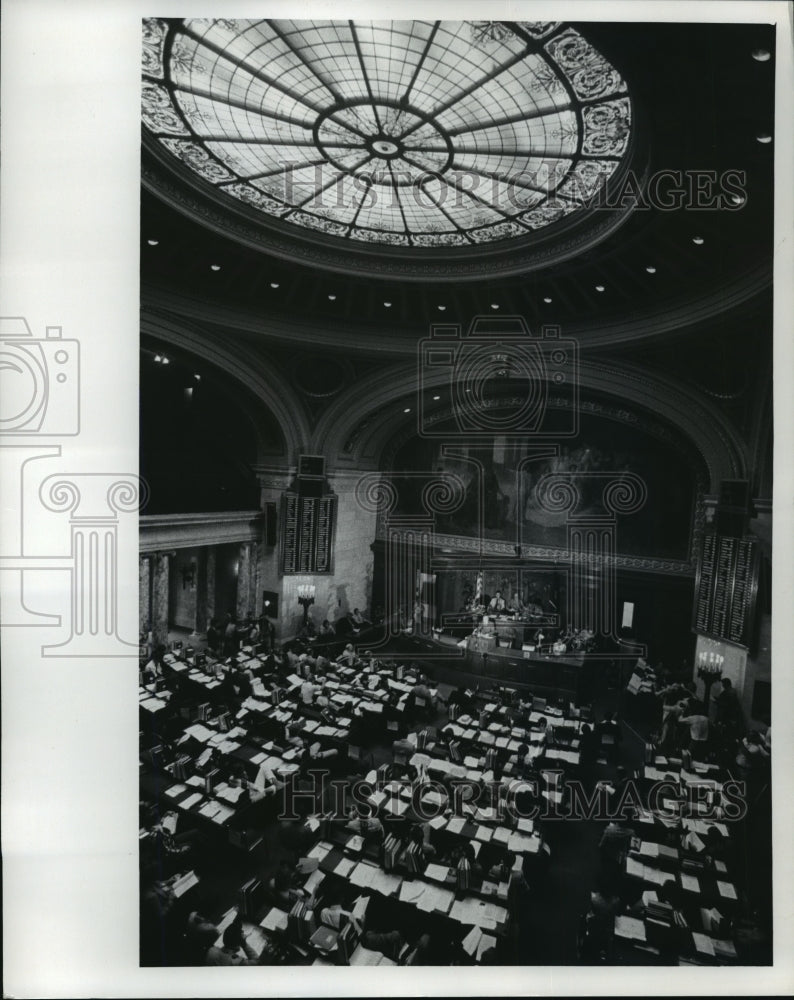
630,928
522,843
727,891
191,800
181,886
434,899
319,850
436,873
703,943
275,920
410,892
365,956
363,874
385,883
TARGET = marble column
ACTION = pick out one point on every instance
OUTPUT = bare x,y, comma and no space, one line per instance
210,583
243,580
144,594
160,595
201,621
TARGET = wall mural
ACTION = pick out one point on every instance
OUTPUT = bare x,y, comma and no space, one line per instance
504,482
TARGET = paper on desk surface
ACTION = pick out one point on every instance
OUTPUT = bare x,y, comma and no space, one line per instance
629,927
275,920
727,890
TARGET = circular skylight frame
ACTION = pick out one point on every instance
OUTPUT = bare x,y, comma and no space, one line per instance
559,224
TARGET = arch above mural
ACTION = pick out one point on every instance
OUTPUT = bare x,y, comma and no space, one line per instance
357,428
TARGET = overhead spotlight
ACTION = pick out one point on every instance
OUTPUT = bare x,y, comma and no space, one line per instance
166,361
738,199
651,269
764,138
599,288
761,55
197,378
441,308
331,298
698,240
152,243
436,398
494,305
157,358
387,304
215,267
274,284
407,409
548,300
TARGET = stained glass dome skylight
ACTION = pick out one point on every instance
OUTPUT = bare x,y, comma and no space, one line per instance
404,136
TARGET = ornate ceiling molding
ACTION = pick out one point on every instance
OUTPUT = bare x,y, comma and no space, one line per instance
355,336
182,531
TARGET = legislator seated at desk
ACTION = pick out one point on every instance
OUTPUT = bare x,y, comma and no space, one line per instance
235,949
497,603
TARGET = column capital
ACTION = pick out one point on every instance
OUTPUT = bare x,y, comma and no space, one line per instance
93,496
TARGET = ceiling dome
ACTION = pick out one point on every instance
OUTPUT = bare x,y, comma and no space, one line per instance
470,146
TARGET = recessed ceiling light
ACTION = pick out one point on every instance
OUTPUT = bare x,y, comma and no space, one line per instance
761,55
166,361
651,269
698,240
215,267
331,298
387,304
547,300
152,243
494,305
764,138
599,288
436,398
197,378
442,308
274,284
407,409
157,357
